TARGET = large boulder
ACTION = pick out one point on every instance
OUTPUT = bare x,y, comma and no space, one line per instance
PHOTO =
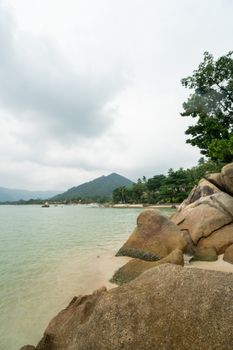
228,255
154,237
216,179
167,307
203,189
220,239
227,178
205,215
136,267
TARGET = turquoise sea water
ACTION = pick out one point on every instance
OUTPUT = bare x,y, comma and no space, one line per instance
48,255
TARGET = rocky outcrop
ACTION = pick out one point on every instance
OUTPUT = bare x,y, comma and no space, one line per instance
154,237
136,267
228,255
227,178
202,226
204,189
167,307
216,179
207,214
219,239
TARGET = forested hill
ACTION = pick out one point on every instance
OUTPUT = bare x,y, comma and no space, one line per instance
12,195
101,187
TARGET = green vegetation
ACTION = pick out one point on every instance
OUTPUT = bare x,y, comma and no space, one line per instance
211,104
172,188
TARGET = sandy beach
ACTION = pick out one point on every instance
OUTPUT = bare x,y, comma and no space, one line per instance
144,206
218,265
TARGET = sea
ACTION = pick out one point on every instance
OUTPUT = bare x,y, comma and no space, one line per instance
49,255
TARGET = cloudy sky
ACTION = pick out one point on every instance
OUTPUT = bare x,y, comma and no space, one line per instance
90,87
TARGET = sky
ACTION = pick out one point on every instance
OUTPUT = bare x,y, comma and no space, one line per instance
91,87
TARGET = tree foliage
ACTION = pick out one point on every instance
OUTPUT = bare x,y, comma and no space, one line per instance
171,188
211,104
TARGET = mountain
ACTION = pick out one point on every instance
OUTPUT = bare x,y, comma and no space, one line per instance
11,195
101,187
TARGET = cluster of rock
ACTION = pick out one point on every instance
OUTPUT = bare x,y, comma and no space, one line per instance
207,214
202,227
159,304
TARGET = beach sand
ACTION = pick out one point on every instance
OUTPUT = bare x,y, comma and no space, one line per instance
218,265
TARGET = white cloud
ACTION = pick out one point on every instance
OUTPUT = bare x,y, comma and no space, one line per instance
88,88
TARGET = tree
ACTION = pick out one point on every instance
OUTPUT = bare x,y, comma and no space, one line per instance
211,104
155,182
222,149
138,192
120,194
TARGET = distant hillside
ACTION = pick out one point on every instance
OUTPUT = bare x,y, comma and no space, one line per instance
101,187
12,195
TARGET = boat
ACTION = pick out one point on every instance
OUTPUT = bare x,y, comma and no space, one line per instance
45,205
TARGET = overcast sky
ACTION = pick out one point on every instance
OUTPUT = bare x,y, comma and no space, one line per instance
90,87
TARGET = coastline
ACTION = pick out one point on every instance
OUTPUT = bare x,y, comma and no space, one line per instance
100,272
114,263
81,282
143,206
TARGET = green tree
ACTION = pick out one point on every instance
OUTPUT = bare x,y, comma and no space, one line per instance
155,182
211,104
138,192
222,149
176,186
120,194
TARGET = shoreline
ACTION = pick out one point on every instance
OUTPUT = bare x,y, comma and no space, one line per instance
143,206
103,268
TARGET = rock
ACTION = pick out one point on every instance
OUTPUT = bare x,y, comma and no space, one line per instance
205,215
190,247
62,330
228,255
203,189
167,308
205,254
224,201
216,179
135,267
227,176
28,347
220,240
154,237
